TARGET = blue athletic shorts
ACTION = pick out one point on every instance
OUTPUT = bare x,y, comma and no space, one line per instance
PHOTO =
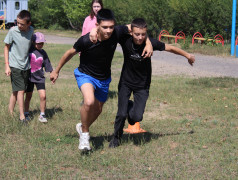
101,87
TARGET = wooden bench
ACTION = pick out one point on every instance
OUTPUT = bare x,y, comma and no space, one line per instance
198,36
179,35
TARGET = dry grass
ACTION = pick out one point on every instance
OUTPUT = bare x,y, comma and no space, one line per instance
191,131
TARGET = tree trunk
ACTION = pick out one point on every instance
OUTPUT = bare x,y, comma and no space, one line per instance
71,24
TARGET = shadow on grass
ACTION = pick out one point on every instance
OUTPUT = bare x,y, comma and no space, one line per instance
137,139
112,94
48,112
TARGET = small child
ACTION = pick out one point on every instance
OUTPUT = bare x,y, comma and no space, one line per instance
38,60
17,66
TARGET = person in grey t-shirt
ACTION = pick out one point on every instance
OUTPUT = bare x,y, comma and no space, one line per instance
17,65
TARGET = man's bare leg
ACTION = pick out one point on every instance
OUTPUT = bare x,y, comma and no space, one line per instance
91,108
12,102
20,100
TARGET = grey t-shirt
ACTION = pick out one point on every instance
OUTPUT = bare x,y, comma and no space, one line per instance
20,42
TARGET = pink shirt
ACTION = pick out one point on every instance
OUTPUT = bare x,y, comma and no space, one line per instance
88,25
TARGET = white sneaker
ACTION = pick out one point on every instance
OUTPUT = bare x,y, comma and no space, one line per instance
79,128
42,119
83,139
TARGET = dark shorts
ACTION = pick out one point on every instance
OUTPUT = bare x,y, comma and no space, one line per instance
30,86
19,79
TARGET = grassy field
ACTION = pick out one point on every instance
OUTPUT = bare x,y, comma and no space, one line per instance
191,124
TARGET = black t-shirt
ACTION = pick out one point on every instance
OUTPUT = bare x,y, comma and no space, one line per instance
136,71
96,59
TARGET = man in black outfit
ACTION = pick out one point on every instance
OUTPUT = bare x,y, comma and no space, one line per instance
136,77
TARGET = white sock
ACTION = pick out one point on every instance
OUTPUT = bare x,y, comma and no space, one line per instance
42,113
86,134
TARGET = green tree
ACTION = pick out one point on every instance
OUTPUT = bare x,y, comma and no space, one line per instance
189,16
47,13
208,16
155,12
60,13
76,11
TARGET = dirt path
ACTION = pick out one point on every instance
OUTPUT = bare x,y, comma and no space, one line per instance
165,63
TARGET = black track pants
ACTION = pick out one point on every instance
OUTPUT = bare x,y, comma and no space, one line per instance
135,113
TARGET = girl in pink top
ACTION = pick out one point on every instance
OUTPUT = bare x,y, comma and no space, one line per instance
91,20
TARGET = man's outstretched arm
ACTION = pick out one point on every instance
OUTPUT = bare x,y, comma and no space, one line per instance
175,50
64,59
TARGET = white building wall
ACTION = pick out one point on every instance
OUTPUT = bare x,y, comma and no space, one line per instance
12,12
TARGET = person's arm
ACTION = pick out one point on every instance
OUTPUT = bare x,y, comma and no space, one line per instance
175,50
64,59
148,50
6,56
129,28
93,36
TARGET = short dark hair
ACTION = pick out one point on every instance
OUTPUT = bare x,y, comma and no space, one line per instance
26,15
92,14
139,23
105,15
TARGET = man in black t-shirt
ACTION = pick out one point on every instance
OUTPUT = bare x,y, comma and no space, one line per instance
136,77
93,75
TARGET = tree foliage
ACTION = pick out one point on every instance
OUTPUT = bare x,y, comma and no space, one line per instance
189,16
208,16
76,11
60,13
47,13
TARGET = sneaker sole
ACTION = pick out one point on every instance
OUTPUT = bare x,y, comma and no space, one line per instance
84,149
43,121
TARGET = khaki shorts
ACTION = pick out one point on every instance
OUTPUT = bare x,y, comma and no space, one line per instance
19,79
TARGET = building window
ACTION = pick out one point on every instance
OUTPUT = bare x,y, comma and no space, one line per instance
17,5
